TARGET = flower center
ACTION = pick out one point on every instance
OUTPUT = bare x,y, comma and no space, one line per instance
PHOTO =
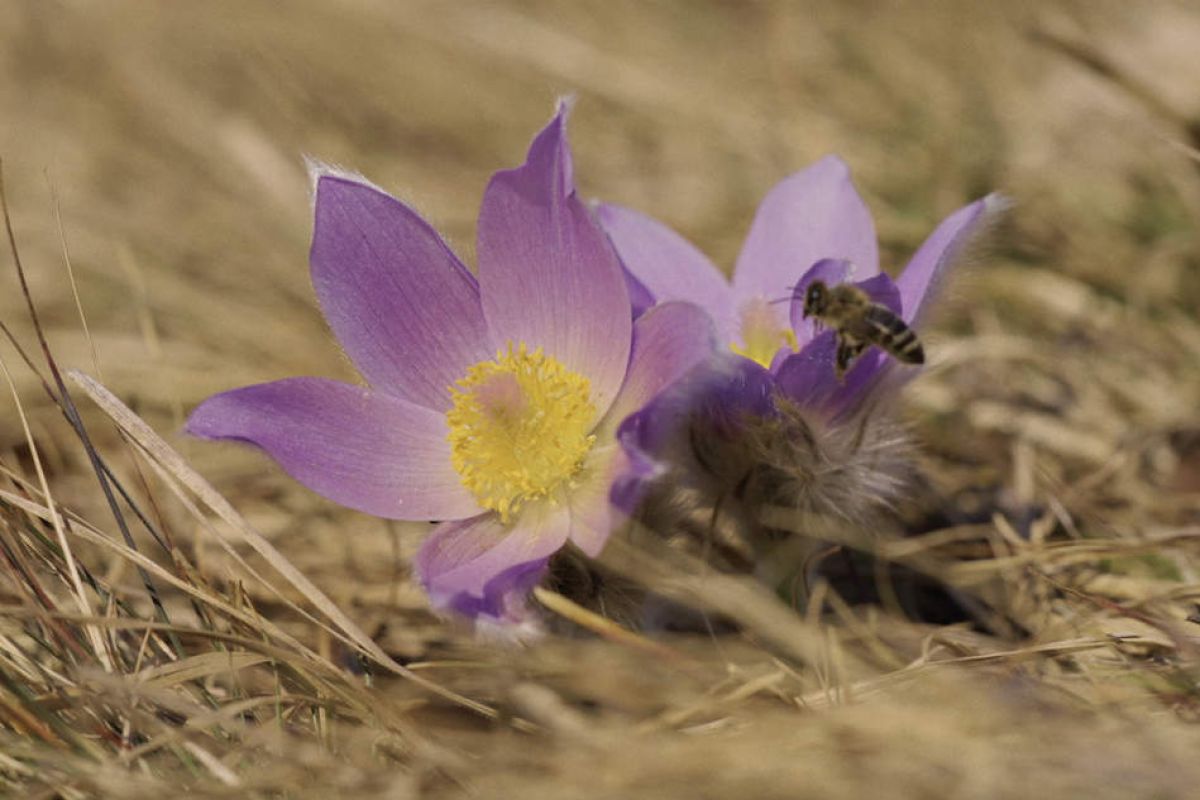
762,332
519,428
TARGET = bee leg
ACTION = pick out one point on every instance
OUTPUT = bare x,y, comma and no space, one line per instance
847,351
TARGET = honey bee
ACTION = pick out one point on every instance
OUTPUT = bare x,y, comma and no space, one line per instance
859,323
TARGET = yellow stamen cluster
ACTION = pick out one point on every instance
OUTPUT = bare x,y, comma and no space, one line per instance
762,333
519,428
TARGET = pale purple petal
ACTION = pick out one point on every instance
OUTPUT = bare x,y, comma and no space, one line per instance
668,341
831,271
928,266
548,275
640,299
471,565
813,214
358,447
593,517
403,306
669,266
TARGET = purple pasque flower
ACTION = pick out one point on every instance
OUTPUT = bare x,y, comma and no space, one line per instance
492,402
812,225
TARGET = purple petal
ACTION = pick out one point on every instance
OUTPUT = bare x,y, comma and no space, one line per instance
669,266
830,271
629,488
925,271
640,299
403,306
883,290
548,274
811,215
723,392
668,341
361,448
716,397
807,378
593,518
505,597
472,565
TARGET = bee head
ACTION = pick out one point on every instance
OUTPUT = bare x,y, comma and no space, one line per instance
815,297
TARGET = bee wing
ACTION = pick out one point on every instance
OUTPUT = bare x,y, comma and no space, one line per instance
891,333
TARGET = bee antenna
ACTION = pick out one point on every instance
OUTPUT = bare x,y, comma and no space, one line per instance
791,295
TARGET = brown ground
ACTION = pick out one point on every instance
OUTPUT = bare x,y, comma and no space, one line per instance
1059,416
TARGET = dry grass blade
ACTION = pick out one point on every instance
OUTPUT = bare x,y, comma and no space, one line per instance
598,624
199,666
158,450
98,647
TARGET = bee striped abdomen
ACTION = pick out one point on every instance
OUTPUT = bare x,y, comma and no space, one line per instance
893,335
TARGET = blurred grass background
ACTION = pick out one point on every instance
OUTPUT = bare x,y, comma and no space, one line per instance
169,140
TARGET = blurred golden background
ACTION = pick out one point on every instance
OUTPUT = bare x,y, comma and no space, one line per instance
162,145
